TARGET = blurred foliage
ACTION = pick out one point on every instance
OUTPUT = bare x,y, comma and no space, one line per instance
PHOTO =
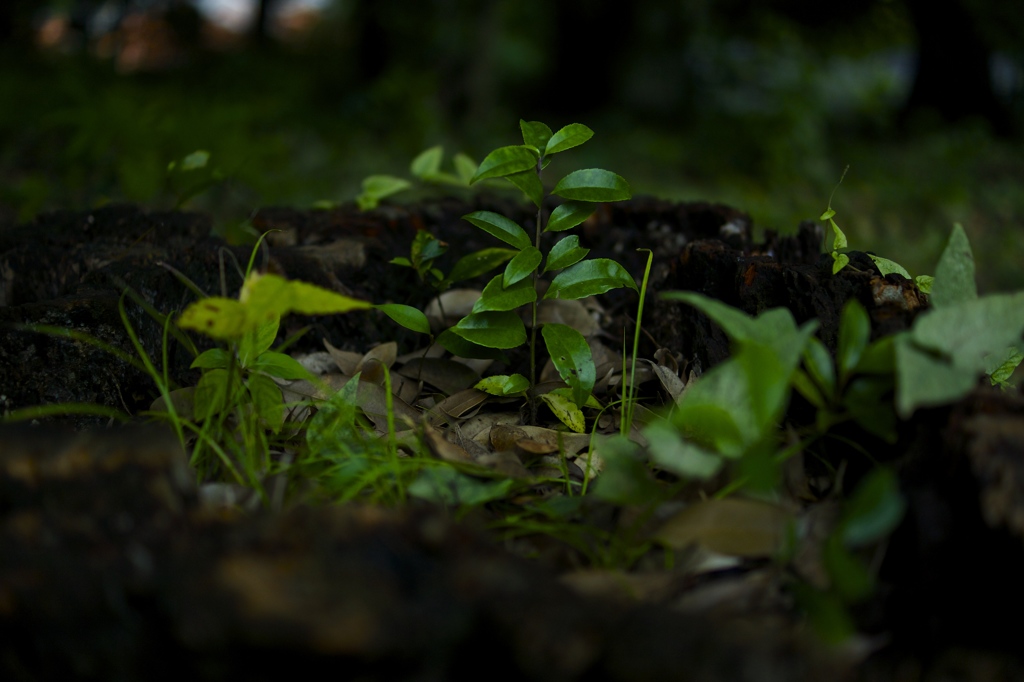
734,102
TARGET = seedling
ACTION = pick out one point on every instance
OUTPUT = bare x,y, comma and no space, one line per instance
840,245
494,322
426,167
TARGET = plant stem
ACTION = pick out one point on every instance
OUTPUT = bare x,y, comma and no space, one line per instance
533,312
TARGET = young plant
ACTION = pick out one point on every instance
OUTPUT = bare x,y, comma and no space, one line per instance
494,323
426,167
840,245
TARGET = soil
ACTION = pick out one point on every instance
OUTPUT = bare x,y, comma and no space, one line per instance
112,567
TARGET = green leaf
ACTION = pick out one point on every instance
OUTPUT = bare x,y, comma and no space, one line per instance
1002,367
218,318
868,401
492,329
625,479
497,297
427,162
971,330
848,575
680,457
267,400
503,384
196,160
829,618
535,133
924,378
854,335
570,354
588,278
479,262
954,274
281,366
211,394
879,357
808,389
886,266
820,368
839,240
257,341
522,266
377,187
465,168
501,227
460,347
564,253
874,510
569,215
924,283
565,409
593,184
215,358
505,161
407,316
572,135
445,485
530,184
827,214
841,261
335,420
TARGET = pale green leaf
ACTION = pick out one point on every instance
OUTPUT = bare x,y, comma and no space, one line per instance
522,266
572,135
827,214
674,454
427,162
841,260
926,379
501,227
492,329
570,354
377,187
407,316
564,253
924,283
954,274
563,407
1002,366
569,215
839,241
593,184
497,297
218,318
503,384
969,331
505,161
465,168
886,266
588,278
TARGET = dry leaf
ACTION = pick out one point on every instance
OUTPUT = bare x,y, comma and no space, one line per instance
568,312
347,361
504,462
441,448
445,375
457,303
738,527
457,405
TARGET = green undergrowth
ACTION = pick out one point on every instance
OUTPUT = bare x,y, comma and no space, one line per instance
625,480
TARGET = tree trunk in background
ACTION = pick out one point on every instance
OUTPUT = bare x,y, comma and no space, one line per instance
953,77
260,32
582,75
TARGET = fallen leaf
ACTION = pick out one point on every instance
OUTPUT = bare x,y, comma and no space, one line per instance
447,376
347,361
733,526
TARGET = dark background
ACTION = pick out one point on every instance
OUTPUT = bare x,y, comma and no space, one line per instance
757,104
